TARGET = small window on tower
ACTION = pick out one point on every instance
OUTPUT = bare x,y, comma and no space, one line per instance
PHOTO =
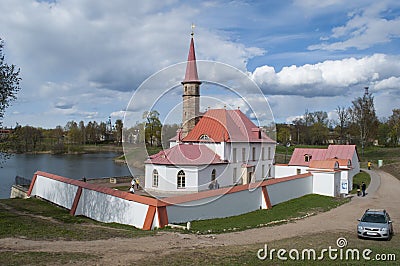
204,137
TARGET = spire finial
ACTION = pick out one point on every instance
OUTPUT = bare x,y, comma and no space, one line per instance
193,26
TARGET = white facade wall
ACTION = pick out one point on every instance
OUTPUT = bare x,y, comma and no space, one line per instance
284,191
355,165
168,177
223,175
285,170
258,161
219,148
327,183
60,193
216,207
108,208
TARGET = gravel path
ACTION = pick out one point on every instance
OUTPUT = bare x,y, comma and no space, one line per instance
383,192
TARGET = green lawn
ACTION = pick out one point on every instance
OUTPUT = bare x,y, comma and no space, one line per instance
280,213
358,179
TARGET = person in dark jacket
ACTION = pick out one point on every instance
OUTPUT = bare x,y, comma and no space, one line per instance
363,187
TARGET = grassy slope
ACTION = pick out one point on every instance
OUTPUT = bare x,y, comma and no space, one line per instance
39,220
283,212
359,178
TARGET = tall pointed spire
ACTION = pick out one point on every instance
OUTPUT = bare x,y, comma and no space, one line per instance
191,66
191,92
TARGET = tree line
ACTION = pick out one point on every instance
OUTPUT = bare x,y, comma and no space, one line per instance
69,138
356,124
151,131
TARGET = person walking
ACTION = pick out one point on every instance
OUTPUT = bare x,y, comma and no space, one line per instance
363,187
369,164
137,182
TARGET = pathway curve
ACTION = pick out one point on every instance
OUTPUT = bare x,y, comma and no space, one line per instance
383,192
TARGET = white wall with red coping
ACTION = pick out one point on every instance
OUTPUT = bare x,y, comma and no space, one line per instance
109,205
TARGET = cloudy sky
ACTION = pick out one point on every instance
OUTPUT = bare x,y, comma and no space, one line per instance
83,59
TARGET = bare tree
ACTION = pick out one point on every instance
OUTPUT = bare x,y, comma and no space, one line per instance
364,117
344,116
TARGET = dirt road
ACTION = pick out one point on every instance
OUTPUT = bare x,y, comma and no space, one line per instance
383,192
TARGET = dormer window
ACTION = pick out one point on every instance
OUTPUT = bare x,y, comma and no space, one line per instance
307,157
204,137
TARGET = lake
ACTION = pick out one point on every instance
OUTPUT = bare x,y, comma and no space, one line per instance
93,165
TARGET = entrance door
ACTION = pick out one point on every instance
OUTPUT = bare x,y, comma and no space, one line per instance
249,176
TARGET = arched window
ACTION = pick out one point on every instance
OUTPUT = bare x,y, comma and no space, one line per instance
307,157
213,174
181,181
204,137
155,178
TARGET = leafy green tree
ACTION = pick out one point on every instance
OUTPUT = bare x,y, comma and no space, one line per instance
383,133
311,124
283,133
9,82
9,86
73,132
394,127
152,128
319,133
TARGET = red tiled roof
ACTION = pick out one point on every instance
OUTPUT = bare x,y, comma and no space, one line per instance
334,152
186,154
342,162
191,67
341,151
221,125
298,156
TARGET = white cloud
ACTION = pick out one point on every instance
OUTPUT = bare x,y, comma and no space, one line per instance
328,78
389,83
95,53
363,30
118,114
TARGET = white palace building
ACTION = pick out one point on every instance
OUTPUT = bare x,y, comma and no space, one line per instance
219,148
